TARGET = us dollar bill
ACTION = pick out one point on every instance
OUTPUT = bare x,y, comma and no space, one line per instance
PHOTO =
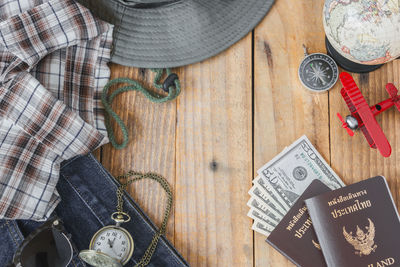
266,201
270,195
269,217
262,228
292,171
257,215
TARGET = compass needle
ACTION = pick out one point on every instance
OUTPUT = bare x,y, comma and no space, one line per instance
318,72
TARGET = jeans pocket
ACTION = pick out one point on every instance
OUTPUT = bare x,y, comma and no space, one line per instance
88,195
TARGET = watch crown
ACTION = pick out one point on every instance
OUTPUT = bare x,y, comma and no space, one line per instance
120,217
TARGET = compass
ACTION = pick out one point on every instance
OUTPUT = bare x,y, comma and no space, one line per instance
318,72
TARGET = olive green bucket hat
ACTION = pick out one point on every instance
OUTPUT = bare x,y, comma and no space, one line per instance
162,34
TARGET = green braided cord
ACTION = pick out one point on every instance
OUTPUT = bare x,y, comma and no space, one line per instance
173,92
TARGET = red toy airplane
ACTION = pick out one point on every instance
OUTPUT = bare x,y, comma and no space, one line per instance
363,116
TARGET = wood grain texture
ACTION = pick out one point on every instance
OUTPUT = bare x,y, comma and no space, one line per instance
151,148
284,110
214,160
235,113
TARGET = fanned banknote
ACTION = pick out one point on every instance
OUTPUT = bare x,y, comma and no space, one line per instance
268,196
256,214
283,180
292,171
262,228
270,218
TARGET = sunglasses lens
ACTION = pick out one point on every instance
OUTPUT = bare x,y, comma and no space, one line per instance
49,248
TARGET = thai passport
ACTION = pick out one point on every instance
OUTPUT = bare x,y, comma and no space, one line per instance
294,236
357,225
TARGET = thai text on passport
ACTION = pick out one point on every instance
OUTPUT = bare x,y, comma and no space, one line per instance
304,227
356,206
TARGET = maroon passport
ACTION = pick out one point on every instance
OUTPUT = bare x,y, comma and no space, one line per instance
357,225
294,236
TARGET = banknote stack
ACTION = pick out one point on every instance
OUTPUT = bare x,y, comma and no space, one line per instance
281,182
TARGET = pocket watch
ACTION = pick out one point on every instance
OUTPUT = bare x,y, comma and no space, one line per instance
111,245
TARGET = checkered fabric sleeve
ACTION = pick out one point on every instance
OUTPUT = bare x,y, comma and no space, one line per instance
48,114
51,26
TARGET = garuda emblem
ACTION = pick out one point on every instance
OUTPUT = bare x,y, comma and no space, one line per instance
362,242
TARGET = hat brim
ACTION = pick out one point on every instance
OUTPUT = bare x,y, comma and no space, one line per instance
177,34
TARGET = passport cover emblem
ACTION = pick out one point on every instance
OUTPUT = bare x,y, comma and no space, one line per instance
357,225
363,243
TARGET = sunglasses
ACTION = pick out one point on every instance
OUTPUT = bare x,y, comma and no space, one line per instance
47,246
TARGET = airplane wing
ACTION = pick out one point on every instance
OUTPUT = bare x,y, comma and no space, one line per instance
353,111
346,98
368,137
372,131
392,91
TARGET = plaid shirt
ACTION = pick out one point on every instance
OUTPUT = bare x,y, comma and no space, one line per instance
53,66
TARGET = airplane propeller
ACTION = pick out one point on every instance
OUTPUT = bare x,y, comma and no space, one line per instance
345,125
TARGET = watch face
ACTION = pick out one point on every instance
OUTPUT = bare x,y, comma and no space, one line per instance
113,241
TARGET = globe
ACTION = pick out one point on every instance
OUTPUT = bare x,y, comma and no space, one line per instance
363,31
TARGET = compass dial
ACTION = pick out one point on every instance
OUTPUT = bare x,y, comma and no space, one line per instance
318,72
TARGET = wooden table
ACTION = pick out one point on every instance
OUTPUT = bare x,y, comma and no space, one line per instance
235,113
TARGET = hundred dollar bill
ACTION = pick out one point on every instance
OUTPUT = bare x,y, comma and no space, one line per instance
262,228
292,171
269,217
258,194
272,196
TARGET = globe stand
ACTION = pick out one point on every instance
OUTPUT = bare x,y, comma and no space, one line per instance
346,64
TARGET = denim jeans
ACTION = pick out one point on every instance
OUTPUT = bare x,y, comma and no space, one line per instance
88,194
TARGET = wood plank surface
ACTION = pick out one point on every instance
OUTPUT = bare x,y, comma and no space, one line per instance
214,160
202,143
235,113
151,148
284,110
